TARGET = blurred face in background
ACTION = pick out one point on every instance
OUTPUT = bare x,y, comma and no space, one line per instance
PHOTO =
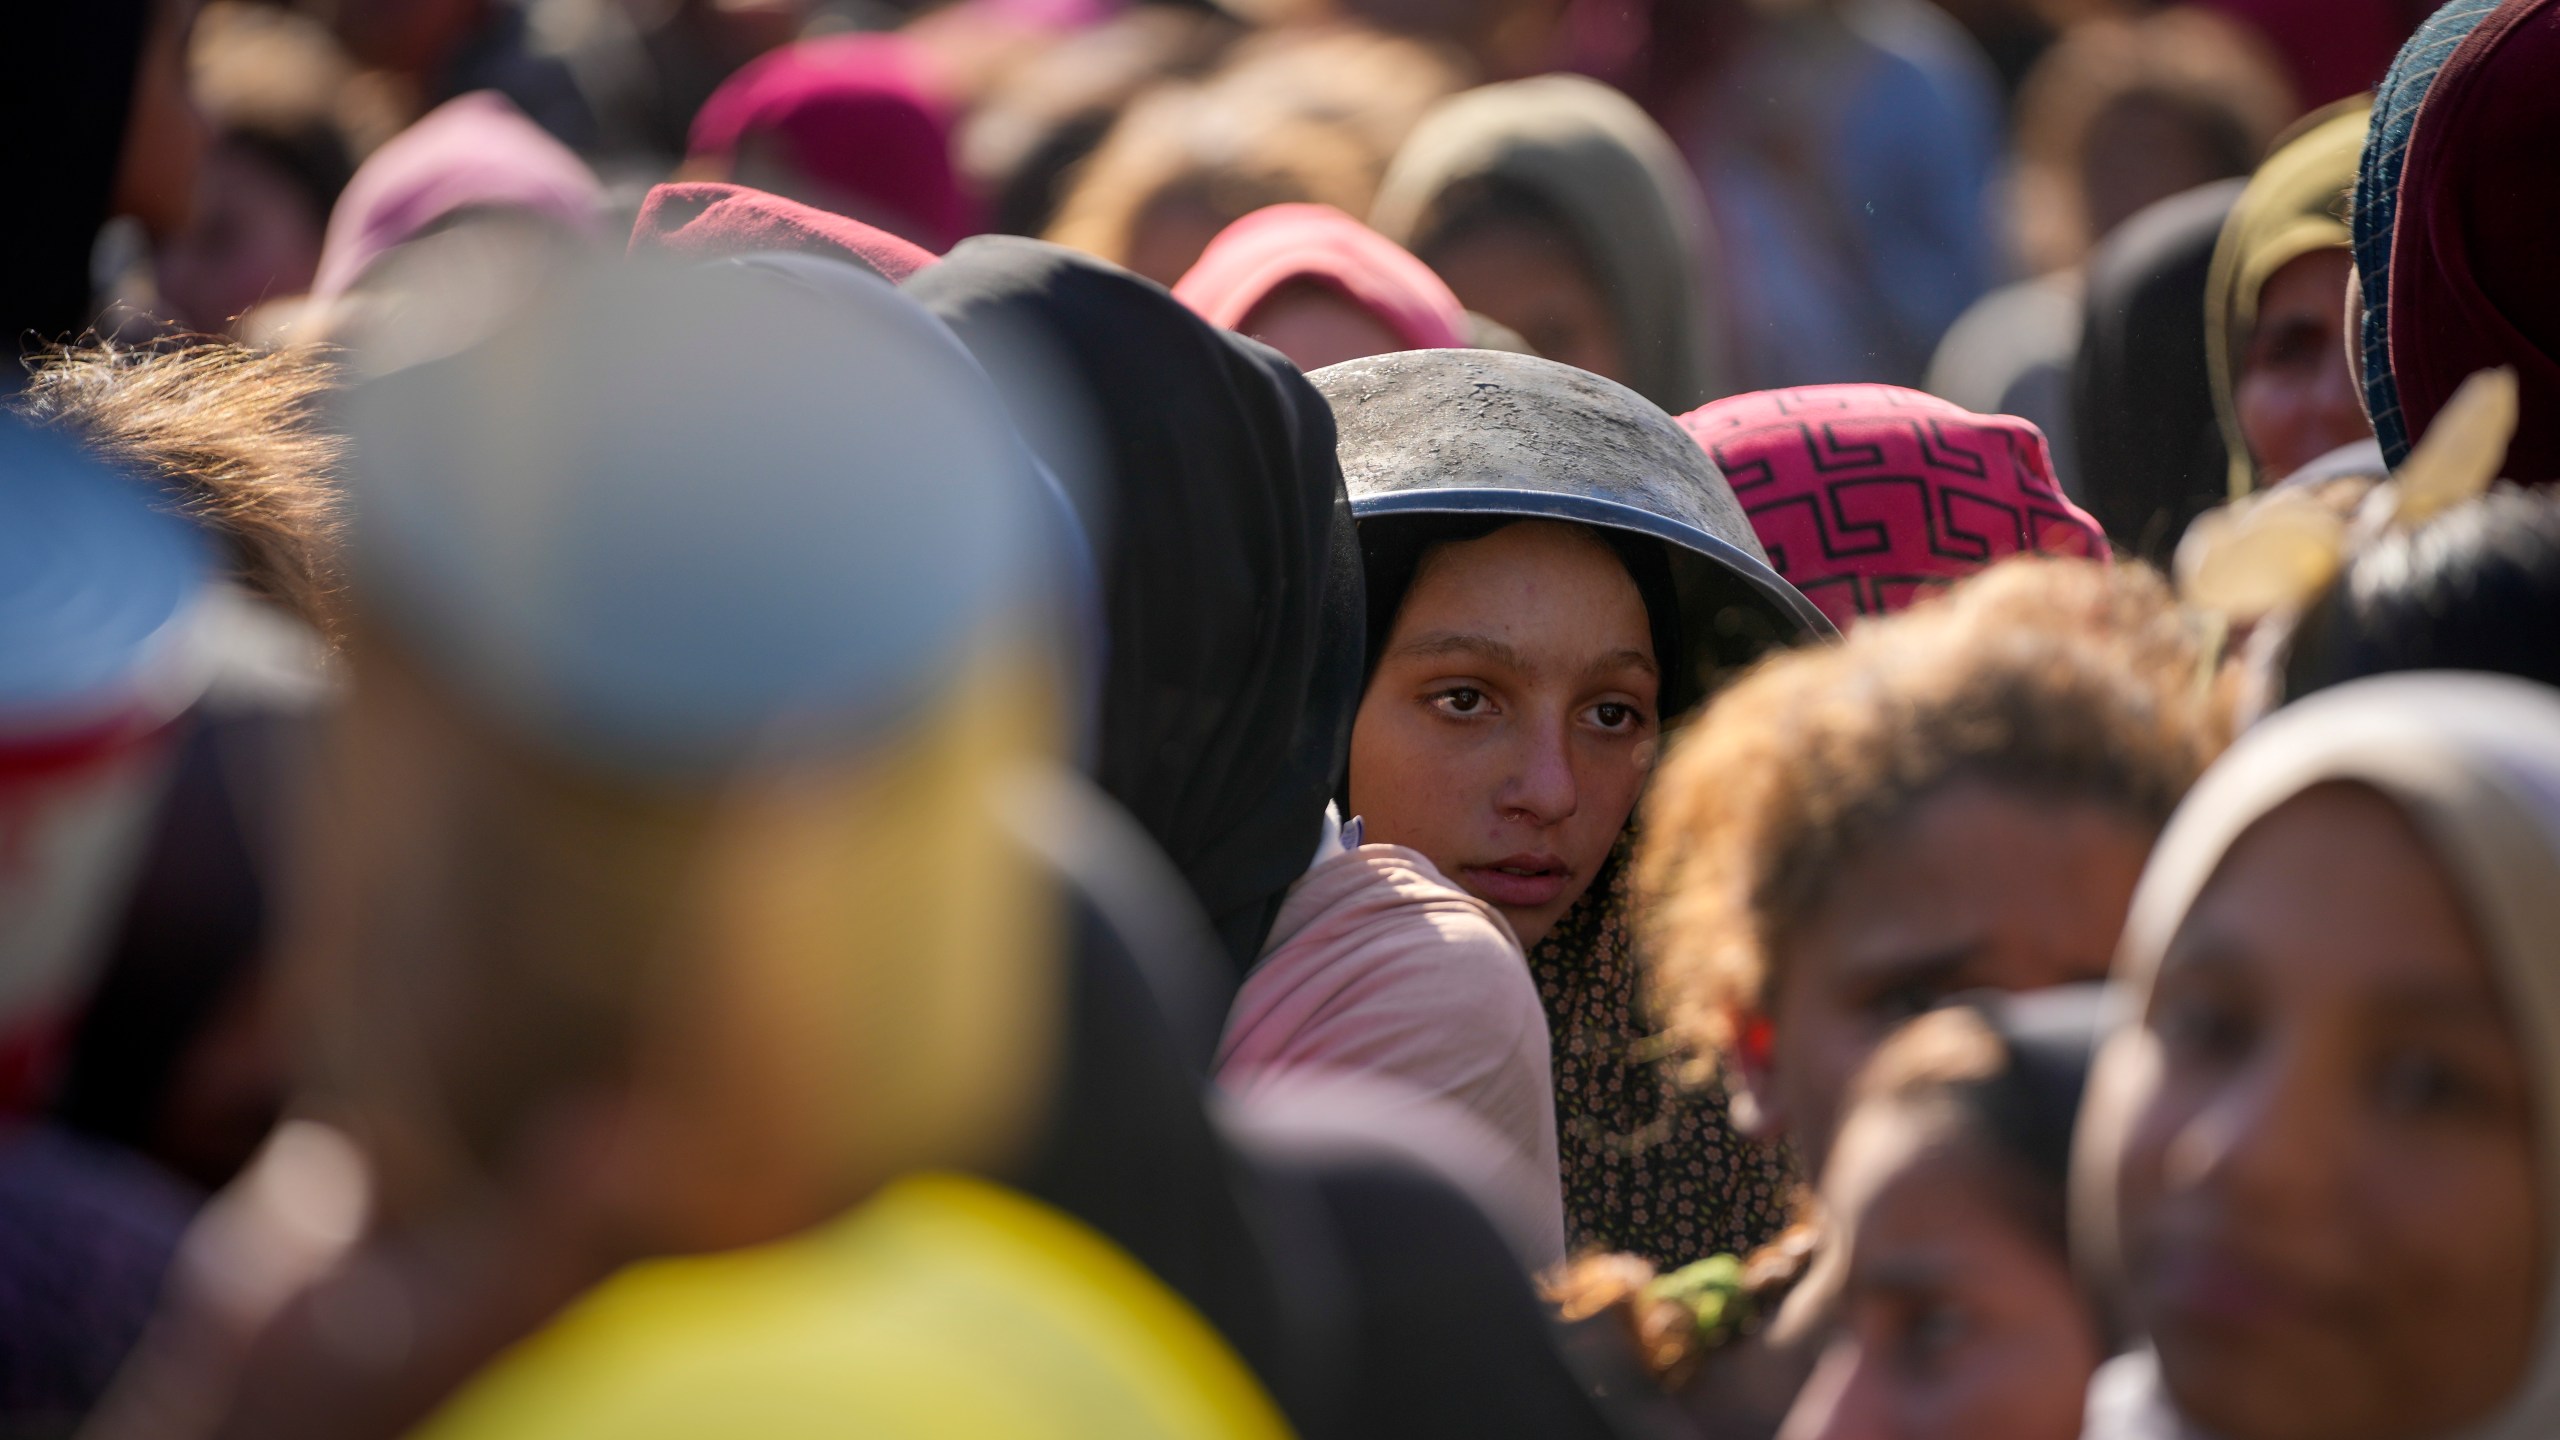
255,236
1505,38
1315,326
409,36
2144,149
2327,1190
1513,717
2296,390
1957,1317
164,136
1532,278
1981,886
1170,234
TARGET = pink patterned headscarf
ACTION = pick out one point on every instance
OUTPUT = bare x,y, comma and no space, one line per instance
473,152
856,115
1257,255
1867,496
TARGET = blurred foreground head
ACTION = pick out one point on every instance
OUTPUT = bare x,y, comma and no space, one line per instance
100,596
688,670
2317,1157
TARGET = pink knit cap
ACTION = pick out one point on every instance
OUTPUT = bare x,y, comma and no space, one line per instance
1257,255
855,114
473,152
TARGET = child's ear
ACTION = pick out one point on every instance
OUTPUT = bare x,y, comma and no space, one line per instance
1750,1076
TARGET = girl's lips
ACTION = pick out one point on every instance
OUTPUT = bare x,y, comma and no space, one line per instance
1522,882
2218,1290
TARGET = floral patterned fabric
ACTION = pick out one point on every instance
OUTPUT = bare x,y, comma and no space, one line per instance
1651,1166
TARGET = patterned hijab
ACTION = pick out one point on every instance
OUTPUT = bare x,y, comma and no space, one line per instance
1868,496
2453,216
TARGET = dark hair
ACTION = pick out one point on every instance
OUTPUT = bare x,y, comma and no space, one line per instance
1392,549
2006,1072
314,159
1493,202
2476,589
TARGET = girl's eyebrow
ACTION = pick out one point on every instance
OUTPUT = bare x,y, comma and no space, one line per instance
1617,660
1451,642
1439,643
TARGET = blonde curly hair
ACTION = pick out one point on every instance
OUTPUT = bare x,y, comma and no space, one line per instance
2058,677
236,435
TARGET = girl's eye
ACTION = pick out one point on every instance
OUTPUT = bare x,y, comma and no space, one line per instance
1889,1008
2203,1030
1931,1334
2414,1082
1615,716
1461,700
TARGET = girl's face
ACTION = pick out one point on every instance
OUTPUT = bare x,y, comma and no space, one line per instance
1955,1319
2296,392
2327,1186
1980,888
1528,276
1512,719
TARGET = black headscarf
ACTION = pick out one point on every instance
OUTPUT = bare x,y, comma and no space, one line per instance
2151,456
1231,569
69,97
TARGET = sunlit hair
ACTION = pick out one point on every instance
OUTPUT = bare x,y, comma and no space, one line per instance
1676,1321
234,433
2061,679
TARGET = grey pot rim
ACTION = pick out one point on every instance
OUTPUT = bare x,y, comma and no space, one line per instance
1783,602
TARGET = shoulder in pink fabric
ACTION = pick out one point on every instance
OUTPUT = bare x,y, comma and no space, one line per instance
854,115
1865,496
1378,968
706,222
473,152
1252,258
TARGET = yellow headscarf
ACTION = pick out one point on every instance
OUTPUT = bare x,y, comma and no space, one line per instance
2295,205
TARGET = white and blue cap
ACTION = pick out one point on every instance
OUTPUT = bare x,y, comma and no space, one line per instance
671,521
99,580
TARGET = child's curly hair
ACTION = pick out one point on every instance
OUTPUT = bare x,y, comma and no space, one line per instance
2058,677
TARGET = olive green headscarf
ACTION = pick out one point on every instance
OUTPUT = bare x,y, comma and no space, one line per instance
2295,205
1616,180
